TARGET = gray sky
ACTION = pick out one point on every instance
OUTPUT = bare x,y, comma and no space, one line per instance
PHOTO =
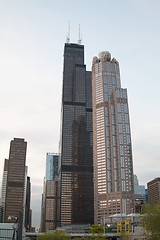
32,37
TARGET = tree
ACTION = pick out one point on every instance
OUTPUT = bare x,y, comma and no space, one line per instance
124,236
151,221
57,235
97,229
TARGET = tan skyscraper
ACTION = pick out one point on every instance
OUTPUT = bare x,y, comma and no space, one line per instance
113,168
15,190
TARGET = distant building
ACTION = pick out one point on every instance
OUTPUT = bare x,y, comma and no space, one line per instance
49,219
153,190
146,193
139,195
15,186
136,182
51,166
1,212
27,222
42,214
112,148
4,185
51,205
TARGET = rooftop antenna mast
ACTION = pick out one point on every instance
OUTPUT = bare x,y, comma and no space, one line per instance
68,34
80,38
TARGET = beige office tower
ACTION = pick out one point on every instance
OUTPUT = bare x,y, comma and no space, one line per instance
113,167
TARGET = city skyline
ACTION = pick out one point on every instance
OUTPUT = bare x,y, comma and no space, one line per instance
31,46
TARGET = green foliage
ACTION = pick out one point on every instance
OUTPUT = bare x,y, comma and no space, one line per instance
93,237
151,221
97,229
124,236
57,235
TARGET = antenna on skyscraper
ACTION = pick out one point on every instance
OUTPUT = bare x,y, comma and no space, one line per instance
80,38
68,34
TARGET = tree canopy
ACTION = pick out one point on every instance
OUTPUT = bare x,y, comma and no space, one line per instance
124,236
151,221
57,235
97,229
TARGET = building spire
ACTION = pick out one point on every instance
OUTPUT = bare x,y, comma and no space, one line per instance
80,37
68,34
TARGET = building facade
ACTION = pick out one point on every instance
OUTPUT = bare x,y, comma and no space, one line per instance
49,200
27,222
153,190
4,185
51,166
139,195
113,167
76,148
15,187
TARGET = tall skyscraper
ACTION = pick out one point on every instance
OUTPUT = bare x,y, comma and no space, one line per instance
49,206
15,189
113,168
76,153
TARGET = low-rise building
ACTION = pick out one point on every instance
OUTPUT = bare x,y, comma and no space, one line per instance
154,190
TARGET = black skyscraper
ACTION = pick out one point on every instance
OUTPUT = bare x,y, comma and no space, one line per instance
76,144
27,205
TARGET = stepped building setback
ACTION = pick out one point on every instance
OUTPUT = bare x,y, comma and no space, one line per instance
76,147
113,167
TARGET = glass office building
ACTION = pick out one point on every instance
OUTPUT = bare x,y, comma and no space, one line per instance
113,167
49,202
51,166
76,150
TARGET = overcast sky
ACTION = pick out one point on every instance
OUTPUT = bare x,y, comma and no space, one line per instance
32,37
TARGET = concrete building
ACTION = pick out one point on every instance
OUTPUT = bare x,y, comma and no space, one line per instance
76,141
113,167
153,190
15,187
50,205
